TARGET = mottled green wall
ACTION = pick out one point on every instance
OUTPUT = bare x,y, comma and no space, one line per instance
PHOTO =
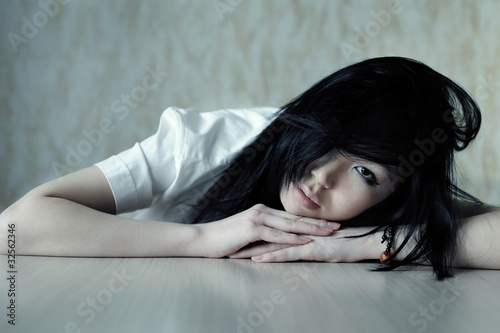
67,68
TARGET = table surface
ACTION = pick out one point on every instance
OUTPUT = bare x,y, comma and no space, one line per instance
223,295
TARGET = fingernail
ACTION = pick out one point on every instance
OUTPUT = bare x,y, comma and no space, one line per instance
327,229
333,225
305,239
257,258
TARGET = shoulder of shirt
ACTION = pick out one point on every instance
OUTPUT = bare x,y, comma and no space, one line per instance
215,136
198,122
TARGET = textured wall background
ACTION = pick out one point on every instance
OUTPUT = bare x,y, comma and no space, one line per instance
81,80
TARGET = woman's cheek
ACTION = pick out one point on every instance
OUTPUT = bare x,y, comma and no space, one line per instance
349,205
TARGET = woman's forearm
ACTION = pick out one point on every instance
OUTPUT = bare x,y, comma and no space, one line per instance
478,244
59,227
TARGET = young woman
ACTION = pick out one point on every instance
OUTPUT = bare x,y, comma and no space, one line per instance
370,146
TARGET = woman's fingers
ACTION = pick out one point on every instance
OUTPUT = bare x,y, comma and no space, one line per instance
258,250
277,236
311,220
298,225
292,253
284,221
261,223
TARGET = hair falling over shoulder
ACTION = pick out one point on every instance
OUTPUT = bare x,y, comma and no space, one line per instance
393,111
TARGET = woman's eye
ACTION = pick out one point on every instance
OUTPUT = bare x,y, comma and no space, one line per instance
367,174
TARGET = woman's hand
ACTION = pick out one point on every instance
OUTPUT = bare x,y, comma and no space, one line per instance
331,248
259,223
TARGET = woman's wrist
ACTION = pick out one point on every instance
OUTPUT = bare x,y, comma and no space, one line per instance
373,245
195,244
376,244
170,239
209,241
380,243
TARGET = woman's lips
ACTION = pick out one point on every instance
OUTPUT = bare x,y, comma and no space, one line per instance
303,199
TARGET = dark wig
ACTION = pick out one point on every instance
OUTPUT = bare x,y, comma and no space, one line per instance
393,111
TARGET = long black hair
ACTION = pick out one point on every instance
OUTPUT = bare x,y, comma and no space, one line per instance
393,111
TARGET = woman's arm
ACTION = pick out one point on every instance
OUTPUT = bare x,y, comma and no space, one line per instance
74,216
478,243
479,238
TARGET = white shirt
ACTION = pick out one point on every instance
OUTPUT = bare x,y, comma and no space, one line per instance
178,164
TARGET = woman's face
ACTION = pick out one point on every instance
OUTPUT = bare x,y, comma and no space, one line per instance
339,189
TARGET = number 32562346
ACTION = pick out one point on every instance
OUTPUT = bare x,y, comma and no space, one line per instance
11,244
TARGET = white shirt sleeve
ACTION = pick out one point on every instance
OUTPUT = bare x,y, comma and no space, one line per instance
134,175
188,149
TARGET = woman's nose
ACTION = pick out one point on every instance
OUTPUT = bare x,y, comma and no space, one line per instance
324,176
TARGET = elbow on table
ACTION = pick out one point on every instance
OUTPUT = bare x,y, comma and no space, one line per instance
10,220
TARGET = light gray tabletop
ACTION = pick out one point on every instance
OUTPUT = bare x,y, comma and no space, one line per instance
56,295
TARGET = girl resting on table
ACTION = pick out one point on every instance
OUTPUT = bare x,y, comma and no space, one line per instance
370,147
